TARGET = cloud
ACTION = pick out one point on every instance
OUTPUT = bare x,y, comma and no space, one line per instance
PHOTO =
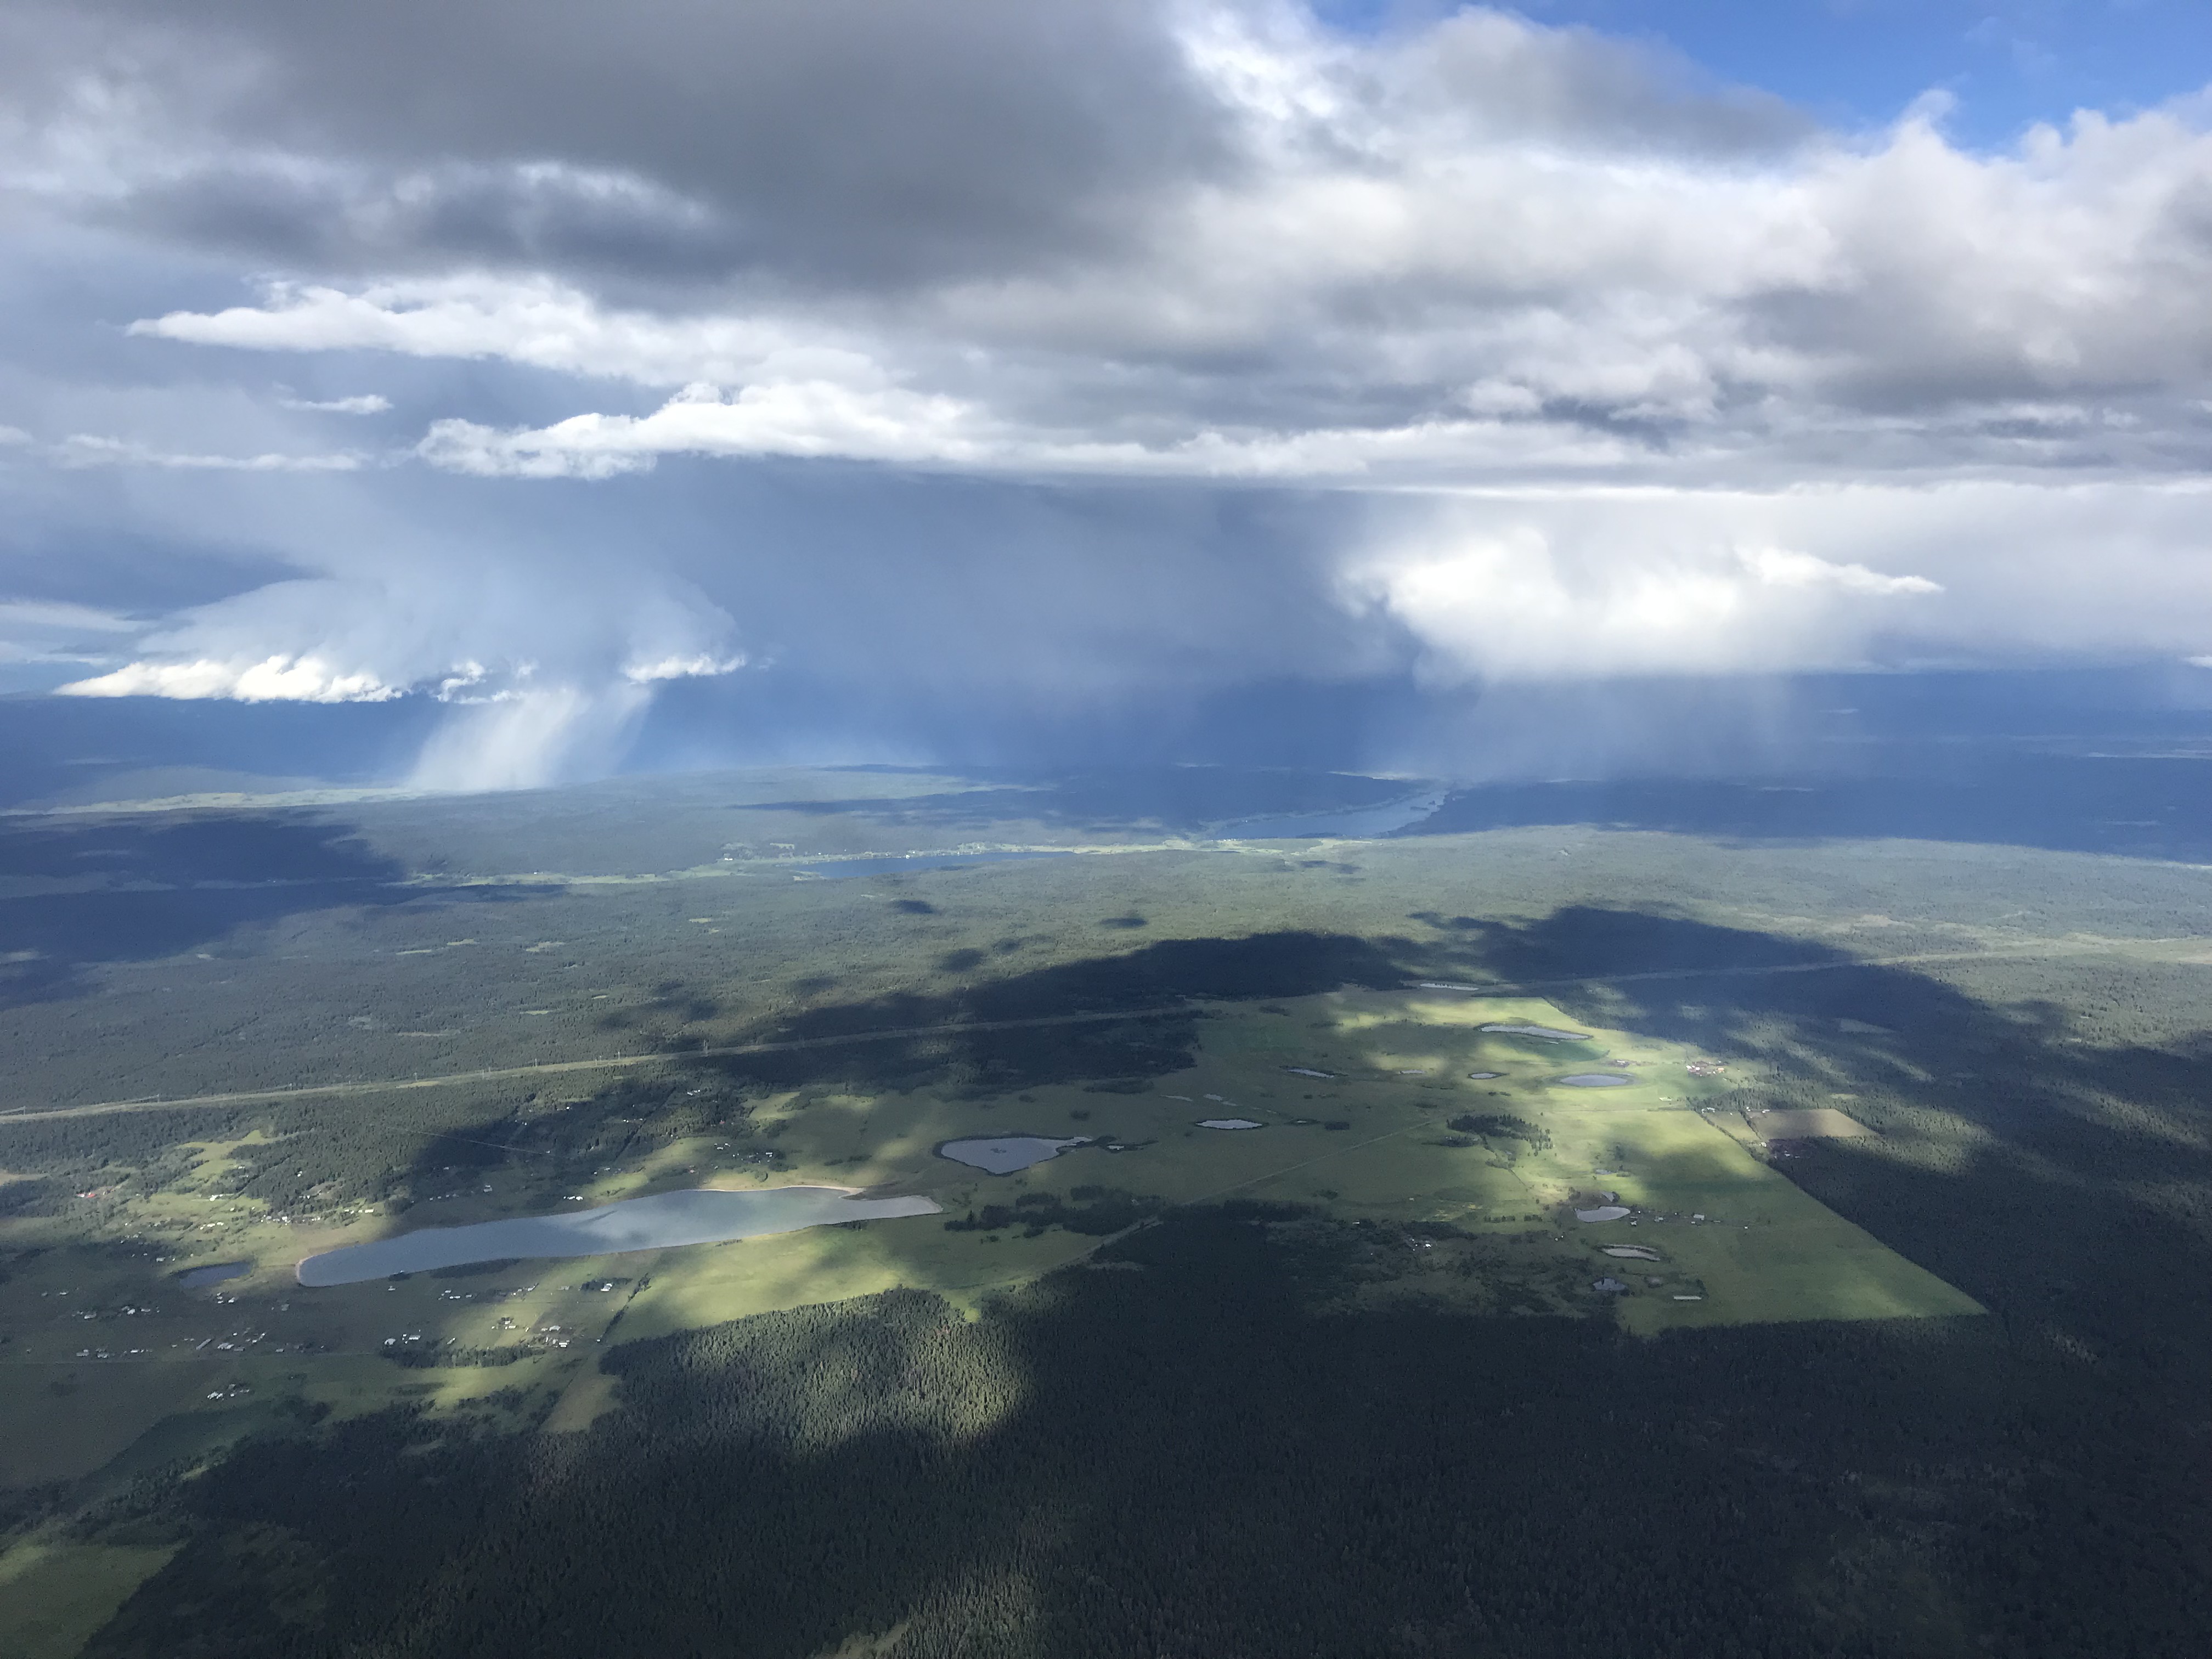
1106,345
82,450
277,678
810,418
700,666
545,659
1577,585
1465,249
60,616
367,403
535,321
1782,567
34,632
840,141
1513,596
1387,293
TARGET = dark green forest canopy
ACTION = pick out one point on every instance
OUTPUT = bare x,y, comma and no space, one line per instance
1212,1435
1184,1458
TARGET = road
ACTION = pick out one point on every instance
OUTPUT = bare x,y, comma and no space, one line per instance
957,1028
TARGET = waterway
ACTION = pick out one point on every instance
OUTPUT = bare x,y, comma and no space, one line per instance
701,1216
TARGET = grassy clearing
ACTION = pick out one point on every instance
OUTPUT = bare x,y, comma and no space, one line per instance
53,1595
1372,1141
68,1421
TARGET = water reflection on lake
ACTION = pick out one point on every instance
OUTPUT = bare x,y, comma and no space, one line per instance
1541,1033
1359,822
1004,1154
702,1216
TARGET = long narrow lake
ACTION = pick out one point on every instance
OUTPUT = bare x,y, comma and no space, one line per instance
703,1216
1356,824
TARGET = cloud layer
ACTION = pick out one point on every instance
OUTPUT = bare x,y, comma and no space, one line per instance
1609,369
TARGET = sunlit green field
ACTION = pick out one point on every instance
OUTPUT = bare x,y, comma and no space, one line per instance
57,1594
1371,1142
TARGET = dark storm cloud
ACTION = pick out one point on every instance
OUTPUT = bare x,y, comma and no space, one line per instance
844,139
615,229
1130,351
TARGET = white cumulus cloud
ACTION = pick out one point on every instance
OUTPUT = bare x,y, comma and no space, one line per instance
369,403
1584,585
278,678
81,449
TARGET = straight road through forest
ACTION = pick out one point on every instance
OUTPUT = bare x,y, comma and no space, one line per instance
622,1062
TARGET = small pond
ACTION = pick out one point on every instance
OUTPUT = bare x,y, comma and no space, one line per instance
1604,1212
1004,1154
1485,1076
840,869
1541,1033
1230,1123
198,1279
1596,1080
702,1216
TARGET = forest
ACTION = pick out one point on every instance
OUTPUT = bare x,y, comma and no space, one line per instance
1184,1458
1217,1427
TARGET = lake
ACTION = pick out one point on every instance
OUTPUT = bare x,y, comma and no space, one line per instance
1597,1080
1004,1154
1541,1033
701,1216
1358,823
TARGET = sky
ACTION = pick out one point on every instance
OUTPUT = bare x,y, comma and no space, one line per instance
829,377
